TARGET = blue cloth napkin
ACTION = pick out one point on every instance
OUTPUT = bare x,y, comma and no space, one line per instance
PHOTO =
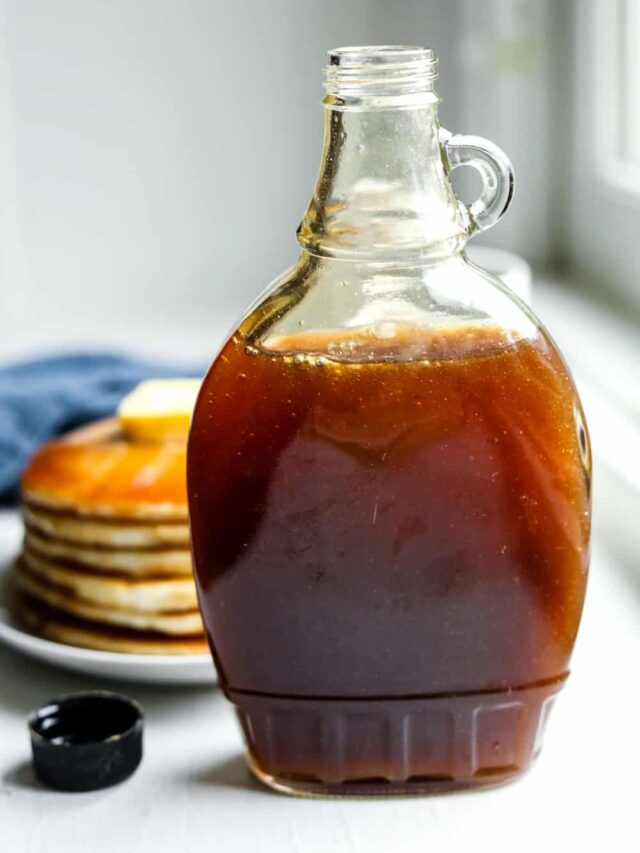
45,397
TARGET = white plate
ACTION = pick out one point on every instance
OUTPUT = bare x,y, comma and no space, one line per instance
154,669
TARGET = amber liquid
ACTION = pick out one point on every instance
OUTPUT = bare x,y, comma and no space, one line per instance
391,544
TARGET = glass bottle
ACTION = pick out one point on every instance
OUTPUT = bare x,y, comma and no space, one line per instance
389,474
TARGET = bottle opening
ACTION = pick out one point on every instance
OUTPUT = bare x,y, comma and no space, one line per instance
388,54
379,70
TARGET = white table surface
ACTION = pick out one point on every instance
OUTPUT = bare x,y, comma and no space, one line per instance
192,791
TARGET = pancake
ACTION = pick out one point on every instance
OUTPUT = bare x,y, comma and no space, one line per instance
111,533
175,623
56,626
98,471
155,595
137,563
106,562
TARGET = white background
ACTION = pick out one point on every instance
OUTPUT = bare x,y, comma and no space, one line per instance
156,156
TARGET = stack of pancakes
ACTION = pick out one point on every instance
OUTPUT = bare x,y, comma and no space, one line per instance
106,562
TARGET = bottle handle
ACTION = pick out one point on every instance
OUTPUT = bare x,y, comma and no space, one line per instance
495,170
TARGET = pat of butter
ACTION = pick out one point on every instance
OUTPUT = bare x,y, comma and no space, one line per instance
159,409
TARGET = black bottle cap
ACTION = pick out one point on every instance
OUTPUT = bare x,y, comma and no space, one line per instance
85,741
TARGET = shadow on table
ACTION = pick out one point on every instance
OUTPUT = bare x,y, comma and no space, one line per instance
23,775
232,773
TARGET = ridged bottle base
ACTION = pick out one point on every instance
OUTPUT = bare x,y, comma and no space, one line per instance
382,747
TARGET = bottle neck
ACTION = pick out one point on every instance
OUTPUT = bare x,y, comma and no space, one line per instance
382,192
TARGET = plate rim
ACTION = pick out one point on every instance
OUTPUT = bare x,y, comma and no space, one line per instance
101,663
23,640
